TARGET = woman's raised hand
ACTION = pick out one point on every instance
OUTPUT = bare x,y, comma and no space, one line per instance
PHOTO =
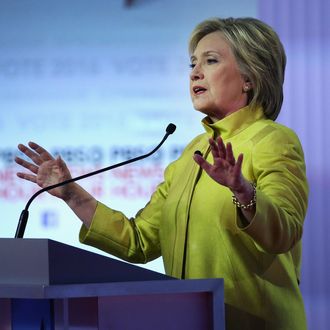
45,170
225,169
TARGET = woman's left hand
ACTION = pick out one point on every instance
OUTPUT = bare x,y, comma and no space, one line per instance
225,170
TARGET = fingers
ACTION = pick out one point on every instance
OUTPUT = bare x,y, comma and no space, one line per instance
29,166
37,154
43,153
238,165
229,154
214,149
202,162
221,146
220,150
29,153
28,177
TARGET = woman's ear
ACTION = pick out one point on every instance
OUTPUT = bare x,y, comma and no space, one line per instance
247,86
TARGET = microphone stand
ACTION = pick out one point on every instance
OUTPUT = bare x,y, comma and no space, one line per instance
23,219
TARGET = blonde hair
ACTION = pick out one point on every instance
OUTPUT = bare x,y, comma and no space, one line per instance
260,56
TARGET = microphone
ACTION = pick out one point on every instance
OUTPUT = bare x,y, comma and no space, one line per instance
197,152
25,213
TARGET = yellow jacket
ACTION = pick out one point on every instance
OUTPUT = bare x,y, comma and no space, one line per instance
192,223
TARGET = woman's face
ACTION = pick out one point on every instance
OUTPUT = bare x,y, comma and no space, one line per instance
216,84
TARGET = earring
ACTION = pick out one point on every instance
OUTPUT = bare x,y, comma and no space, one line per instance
246,88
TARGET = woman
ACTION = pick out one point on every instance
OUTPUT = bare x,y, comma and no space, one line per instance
219,215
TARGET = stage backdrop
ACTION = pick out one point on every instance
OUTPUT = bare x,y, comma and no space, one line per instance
98,82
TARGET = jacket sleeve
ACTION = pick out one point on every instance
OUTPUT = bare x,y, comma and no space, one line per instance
136,239
282,192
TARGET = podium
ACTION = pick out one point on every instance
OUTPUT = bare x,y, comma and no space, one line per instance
49,285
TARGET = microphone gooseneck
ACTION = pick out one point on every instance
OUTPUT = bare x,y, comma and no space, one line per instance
25,213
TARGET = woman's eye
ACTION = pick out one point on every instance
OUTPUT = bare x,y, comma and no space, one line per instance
211,61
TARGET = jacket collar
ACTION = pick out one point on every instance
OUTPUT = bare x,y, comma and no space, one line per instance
234,123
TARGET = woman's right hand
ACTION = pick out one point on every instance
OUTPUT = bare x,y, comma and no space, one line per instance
45,170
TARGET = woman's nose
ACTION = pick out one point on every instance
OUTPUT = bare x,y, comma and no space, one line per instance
196,73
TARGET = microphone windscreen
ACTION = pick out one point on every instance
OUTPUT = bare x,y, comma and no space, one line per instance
170,128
